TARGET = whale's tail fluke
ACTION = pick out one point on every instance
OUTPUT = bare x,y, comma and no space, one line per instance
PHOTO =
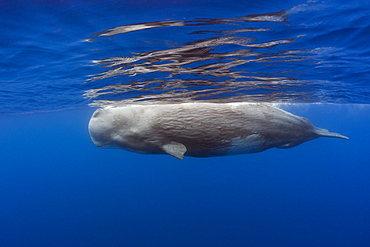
326,133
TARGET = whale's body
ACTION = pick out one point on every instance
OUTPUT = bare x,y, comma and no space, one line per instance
201,129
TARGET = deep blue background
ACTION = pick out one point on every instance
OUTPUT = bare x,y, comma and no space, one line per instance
58,189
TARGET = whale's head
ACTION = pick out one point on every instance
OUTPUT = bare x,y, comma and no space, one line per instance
111,128
118,128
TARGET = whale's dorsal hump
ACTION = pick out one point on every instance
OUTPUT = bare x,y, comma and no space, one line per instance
175,149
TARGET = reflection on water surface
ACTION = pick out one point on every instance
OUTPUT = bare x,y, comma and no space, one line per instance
238,59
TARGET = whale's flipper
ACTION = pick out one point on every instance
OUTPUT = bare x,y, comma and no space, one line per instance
175,149
326,133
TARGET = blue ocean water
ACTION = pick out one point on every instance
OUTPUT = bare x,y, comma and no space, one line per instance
62,59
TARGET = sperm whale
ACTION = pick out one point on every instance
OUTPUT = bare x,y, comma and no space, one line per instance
201,129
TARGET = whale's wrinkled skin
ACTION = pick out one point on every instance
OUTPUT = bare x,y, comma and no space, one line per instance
201,129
